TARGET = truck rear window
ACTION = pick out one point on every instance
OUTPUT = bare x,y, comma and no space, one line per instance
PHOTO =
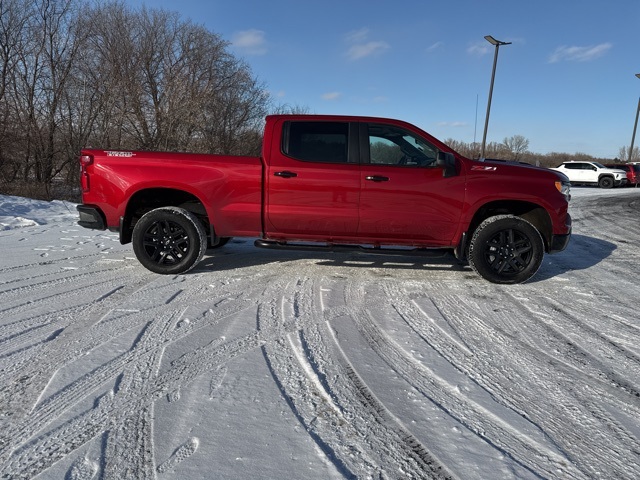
317,141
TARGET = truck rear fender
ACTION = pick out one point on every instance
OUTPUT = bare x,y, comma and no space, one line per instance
149,199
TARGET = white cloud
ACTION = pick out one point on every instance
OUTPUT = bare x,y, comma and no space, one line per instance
357,52
358,36
331,96
435,46
452,124
579,54
480,48
362,47
251,42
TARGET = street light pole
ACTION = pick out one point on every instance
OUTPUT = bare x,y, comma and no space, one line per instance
635,126
497,43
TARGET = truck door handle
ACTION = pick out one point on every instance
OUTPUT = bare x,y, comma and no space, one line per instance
285,174
377,178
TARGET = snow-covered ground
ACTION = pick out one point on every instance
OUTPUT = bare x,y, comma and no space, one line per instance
261,364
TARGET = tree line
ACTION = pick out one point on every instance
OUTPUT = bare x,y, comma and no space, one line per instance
75,75
517,148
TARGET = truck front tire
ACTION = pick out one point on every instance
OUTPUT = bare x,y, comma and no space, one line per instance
506,249
169,240
605,182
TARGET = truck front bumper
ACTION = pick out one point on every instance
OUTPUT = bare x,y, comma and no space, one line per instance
91,217
560,242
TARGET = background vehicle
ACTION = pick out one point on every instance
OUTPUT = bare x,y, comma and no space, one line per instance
329,182
632,170
592,173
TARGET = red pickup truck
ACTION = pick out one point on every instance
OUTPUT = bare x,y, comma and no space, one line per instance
332,182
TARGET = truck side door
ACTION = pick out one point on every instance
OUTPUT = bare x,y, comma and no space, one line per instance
312,180
405,196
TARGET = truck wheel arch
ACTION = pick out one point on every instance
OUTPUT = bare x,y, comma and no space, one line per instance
606,181
532,213
144,201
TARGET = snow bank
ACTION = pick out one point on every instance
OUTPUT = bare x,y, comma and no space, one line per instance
20,212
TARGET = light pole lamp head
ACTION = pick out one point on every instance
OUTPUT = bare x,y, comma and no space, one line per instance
638,75
495,42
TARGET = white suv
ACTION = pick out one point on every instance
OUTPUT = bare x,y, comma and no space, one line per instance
592,173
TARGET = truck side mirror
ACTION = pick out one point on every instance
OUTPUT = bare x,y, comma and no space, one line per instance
448,161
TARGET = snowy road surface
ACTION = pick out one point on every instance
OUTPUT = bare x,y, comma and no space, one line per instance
261,364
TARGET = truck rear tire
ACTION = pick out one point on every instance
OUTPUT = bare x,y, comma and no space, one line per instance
169,240
506,249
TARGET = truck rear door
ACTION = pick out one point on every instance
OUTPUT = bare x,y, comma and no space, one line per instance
312,180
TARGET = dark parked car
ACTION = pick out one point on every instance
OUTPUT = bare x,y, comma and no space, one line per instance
632,169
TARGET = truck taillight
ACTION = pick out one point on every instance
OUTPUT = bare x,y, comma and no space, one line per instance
85,161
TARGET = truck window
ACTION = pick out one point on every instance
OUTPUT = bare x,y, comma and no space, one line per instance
390,145
317,141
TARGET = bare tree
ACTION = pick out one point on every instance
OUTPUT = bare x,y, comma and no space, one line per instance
285,108
516,145
13,21
57,22
110,76
508,150
171,84
460,147
623,154
235,110
38,57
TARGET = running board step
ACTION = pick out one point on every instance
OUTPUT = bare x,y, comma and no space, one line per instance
331,247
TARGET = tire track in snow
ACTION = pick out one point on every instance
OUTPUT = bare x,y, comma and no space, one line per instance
129,451
578,342
487,425
104,317
38,267
42,451
342,415
62,277
40,329
50,409
29,331
65,347
84,292
585,433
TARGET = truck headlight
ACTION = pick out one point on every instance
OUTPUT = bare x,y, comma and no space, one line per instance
564,188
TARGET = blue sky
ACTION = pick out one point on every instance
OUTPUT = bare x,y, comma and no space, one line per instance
567,82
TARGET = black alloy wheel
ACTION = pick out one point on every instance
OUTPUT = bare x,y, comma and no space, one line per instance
506,249
169,240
